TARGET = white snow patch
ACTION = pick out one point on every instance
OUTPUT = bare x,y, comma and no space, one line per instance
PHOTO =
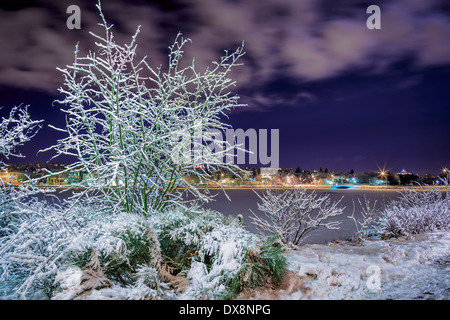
69,279
414,268
124,293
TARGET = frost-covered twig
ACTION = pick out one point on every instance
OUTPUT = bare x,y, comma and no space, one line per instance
370,215
15,130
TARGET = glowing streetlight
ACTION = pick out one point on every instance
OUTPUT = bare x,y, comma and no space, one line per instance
447,172
383,174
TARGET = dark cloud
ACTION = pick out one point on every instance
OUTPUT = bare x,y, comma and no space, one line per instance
35,40
267,102
307,40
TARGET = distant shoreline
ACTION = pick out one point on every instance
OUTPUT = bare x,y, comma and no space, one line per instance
311,187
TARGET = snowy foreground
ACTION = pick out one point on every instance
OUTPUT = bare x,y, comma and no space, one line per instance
414,268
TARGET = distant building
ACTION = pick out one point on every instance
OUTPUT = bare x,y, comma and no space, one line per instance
11,177
57,180
74,177
338,179
268,172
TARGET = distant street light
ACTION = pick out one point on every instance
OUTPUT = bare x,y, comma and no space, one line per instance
447,172
384,175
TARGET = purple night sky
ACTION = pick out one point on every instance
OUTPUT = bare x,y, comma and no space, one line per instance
343,96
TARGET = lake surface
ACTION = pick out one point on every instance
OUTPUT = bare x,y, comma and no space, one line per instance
243,200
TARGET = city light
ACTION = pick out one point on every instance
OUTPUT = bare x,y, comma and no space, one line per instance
383,175
446,172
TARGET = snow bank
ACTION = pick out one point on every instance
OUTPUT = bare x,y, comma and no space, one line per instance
413,268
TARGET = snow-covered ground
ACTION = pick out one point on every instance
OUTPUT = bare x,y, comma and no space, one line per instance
400,269
414,268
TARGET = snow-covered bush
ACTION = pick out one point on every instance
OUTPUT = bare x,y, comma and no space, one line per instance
292,214
218,255
418,210
35,244
44,240
229,260
136,130
260,265
180,231
120,244
201,255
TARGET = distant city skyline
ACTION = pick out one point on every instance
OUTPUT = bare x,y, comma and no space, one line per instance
343,97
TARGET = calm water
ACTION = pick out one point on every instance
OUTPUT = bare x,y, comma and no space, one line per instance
242,201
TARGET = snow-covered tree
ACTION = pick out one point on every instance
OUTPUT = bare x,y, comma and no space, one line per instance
136,130
292,214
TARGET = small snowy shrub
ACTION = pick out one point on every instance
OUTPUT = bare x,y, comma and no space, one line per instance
417,211
36,245
122,244
41,240
267,262
292,214
369,217
180,232
220,257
